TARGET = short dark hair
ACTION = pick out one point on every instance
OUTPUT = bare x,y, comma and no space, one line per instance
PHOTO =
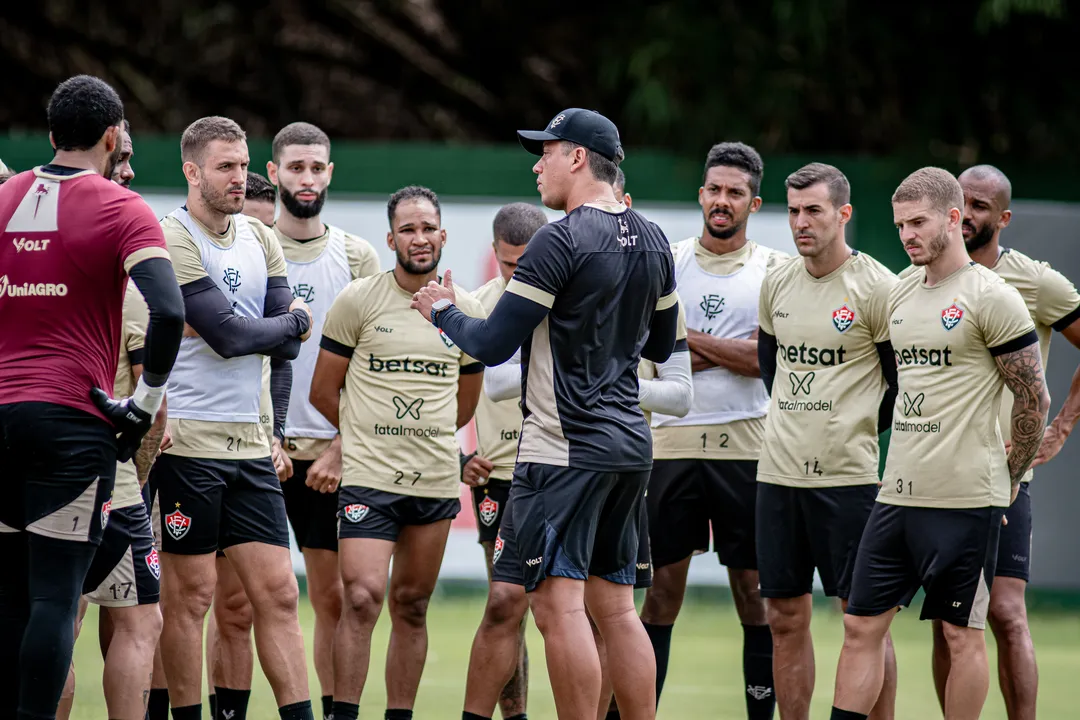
620,181
298,133
81,109
259,188
602,169
516,223
411,192
1000,179
736,155
6,175
204,131
815,173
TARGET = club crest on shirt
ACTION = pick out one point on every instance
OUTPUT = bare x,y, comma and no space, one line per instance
232,279
304,291
106,508
498,549
843,318
177,523
489,510
951,316
356,512
446,339
153,563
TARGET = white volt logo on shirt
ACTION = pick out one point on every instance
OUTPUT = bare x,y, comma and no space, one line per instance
30,245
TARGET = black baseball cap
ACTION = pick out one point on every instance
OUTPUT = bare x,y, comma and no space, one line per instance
587,128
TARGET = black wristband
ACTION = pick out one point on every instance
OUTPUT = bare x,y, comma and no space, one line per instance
464,461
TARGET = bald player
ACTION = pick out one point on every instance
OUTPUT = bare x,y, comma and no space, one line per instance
1053,303
960,335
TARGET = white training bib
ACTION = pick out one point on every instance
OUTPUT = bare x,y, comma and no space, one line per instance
317,283
203,385
725,306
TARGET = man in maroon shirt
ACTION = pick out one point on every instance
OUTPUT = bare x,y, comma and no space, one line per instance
69,239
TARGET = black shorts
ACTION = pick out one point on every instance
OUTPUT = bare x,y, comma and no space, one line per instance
1014,548
59,468
506,561
312,514
489,504
800,529
686,496
380,515
950,553
210,505
125,570
575,523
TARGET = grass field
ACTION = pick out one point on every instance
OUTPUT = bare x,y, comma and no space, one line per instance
704,679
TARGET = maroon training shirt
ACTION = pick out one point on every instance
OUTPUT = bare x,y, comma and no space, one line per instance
66,245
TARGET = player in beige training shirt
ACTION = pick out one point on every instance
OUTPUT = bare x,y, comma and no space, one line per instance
407,389
216,485
322,260
1053,304
825,355
960,335
702,482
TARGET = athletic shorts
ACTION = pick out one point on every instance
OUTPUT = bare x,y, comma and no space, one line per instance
575,523
800,529
1014,548
312,514
59,466
489,504
379,515
125,570
950,553
209,505
687,496
506,561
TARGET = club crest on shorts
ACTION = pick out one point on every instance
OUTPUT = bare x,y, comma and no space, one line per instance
489,510
951,316
843,318
154,563
498,549
355,512
106,508
177,523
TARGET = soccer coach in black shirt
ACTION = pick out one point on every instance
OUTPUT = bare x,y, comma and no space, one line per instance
593,293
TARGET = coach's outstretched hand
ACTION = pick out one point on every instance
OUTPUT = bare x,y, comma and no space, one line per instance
431,293
130,421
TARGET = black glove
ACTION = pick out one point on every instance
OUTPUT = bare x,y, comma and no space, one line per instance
130,421
464,459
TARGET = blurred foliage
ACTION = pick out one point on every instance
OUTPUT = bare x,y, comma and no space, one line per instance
958,81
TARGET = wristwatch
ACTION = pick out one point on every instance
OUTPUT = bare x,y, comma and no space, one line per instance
438,306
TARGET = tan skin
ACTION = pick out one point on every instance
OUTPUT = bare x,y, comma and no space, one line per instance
565,182
726,201
817,226
985,206
416,235
304,171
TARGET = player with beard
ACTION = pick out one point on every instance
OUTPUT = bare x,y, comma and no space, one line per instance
71,241
216,485
960,335
705,464
321,260
824,339
122,174
1053,303
407,389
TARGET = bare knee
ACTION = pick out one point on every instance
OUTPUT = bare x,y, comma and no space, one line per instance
140,624
662,602
864,632
362,602
188,596
788,616
506,606
326,600
277,593
746,592
233,614
409,606
963,641
1008,617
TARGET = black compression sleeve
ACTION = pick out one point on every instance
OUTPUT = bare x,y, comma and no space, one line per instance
766,355
280,388
278,298
662,331
494,340
157,283
211,315
892,384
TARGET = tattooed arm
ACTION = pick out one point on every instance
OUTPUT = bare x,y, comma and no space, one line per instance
1023,374
148,448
